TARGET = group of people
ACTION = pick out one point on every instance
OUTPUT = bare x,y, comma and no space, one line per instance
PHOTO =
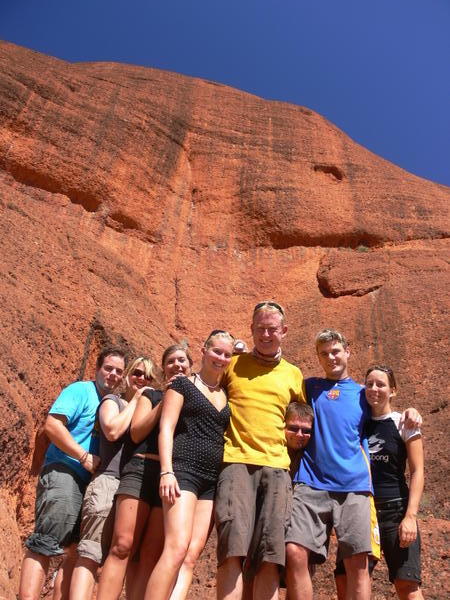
141,465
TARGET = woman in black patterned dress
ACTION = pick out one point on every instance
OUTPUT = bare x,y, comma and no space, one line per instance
194,417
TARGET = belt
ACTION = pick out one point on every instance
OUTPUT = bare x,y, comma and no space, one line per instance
388,504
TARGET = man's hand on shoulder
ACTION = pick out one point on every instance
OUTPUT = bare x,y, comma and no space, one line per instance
411,418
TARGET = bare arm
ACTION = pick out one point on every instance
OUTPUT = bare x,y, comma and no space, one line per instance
144,419
172,404
113,422
58,434
408,527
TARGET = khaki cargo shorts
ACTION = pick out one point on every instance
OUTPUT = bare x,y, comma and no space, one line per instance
252,510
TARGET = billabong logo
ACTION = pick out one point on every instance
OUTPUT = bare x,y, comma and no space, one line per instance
375,444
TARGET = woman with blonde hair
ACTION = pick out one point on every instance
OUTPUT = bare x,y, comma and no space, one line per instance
131,511
194,417
139,531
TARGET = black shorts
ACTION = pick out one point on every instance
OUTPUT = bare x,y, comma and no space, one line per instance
402,563
340,567
140,479
204,489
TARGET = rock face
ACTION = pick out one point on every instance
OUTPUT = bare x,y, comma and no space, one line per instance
140,207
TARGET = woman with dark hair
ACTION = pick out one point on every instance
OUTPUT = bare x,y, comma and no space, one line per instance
391,446
138,526
194,417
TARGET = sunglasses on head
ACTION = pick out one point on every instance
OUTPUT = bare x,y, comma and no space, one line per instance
140,373
216,332
269,303
297,429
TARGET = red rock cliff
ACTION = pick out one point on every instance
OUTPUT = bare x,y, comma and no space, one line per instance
140,206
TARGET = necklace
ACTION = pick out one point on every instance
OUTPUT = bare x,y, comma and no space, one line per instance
208,385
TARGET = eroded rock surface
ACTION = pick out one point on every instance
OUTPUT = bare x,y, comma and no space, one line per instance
140,206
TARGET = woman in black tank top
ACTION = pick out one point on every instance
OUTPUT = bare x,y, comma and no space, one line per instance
194,417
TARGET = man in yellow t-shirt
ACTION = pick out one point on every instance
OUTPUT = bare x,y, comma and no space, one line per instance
254,488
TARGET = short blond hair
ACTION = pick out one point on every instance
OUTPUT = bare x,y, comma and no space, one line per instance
271,307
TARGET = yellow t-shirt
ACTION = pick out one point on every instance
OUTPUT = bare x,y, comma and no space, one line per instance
258,395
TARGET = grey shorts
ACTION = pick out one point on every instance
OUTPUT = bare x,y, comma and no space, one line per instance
252,510
59,495
97,518
316,512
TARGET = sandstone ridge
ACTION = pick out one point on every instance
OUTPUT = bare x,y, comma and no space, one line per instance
140,206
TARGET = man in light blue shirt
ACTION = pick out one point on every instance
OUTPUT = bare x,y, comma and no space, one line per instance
69,462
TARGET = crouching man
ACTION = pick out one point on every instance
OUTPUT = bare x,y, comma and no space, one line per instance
69,462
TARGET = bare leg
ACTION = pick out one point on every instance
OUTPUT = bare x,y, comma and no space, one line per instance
408,590
61,589
341,586
200,533
131,517
32,576
298,578
247,590
358,579
229,579
267,581
83,579
178,525
149,554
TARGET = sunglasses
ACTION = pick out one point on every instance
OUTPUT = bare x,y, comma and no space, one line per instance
217,331
140,373
297,429
279,308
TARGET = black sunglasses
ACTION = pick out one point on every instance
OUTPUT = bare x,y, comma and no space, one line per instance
216,332
297,429
140,373
269,303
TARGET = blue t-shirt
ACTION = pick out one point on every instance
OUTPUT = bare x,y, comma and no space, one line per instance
334,459
78,402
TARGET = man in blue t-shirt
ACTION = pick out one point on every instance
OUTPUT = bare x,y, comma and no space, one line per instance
333,484
69,462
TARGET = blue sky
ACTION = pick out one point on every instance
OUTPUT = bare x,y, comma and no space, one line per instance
378,70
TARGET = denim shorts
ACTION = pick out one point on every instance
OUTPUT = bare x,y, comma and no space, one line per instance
59,496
